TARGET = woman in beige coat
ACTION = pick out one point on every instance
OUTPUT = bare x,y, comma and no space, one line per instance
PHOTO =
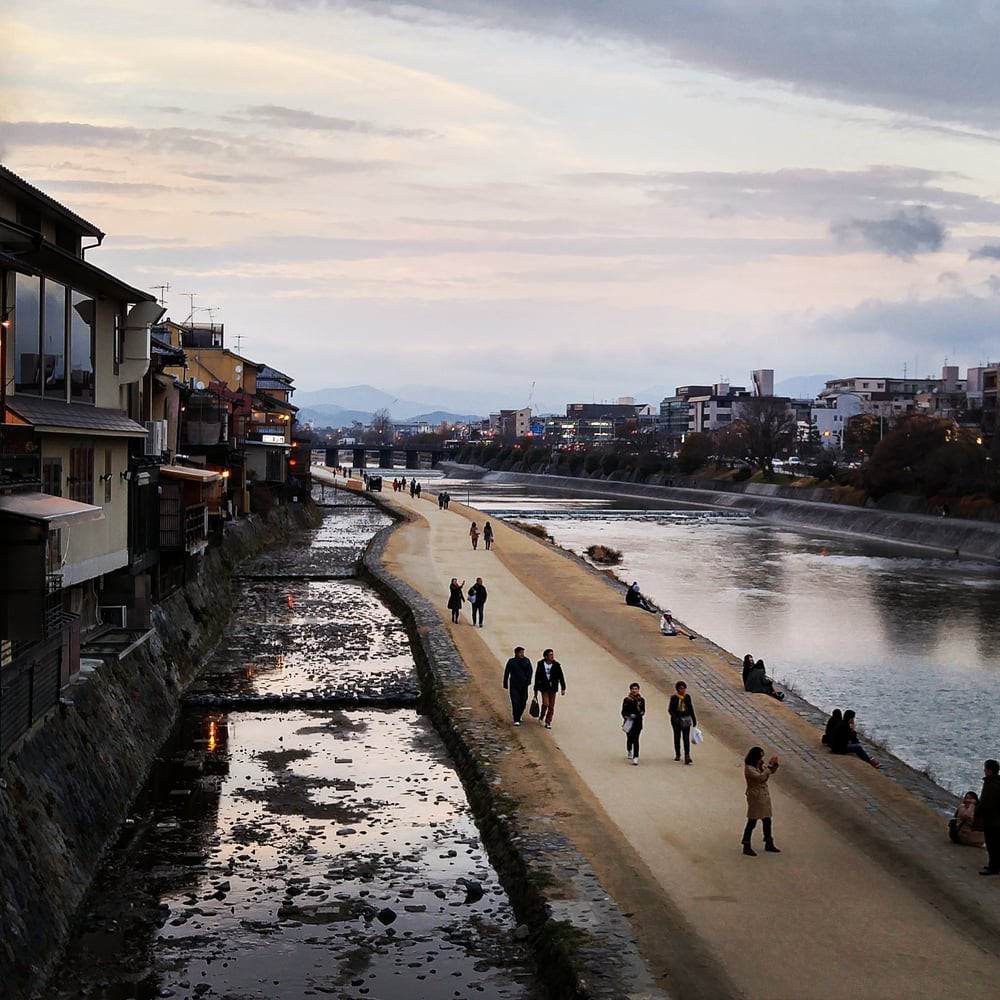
758,799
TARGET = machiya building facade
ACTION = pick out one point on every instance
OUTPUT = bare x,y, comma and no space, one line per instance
74,351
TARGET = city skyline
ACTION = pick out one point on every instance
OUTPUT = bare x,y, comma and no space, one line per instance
585,198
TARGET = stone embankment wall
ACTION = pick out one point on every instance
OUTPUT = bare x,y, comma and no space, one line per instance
68,785
945,535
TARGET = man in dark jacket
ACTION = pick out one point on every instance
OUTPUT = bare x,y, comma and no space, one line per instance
548,679
517,677
988,816
477,598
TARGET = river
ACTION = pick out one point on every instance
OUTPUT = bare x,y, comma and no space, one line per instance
910,642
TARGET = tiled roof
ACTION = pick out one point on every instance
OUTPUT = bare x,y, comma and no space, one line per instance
11,179
57,415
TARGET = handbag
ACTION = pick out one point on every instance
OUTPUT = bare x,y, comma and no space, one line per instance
533,710
685,721
696,735
627,725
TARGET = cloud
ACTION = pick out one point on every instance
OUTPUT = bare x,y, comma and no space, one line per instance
276,116
917,59
958,325
989,251
804,193
904,234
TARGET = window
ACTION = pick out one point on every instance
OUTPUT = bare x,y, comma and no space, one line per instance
27,335
81,333
52,476
54,338
80,482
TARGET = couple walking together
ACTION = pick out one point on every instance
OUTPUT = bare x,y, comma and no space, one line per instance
682,721
548,680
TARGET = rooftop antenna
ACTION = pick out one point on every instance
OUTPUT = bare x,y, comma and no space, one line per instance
531,393
162,289
190,297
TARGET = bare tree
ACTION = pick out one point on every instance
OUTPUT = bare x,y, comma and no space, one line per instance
381,424
769,427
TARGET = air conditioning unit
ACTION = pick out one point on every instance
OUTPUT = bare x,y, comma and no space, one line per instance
156,437
115,615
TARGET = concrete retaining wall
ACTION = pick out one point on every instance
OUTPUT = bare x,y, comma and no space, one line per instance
68,784
946,536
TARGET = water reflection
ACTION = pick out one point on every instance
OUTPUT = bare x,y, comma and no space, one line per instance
912,643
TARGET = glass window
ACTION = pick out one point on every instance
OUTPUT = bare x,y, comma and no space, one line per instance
54,339
27,334
82,323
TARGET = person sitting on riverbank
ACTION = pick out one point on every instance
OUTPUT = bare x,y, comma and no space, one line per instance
844,740
634,598
960,826
836,718
747,667
758,682
669,627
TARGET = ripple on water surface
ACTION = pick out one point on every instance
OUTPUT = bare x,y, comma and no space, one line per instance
296,854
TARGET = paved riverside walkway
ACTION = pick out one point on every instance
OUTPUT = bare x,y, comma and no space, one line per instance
868,898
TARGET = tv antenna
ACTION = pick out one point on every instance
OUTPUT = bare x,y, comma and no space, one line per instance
190,297
162,289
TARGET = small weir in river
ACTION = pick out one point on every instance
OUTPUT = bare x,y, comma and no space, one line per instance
304,832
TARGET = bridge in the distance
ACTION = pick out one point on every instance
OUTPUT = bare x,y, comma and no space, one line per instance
412,455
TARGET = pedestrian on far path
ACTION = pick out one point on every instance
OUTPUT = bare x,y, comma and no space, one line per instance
517,678
548,680
988,816
682,719
417,490
413,487
633,710
488,535
456,597
477,598
758,799
474,535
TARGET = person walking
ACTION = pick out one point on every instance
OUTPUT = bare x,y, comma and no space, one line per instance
456,597
633,710
474,535
477,598
758,799
517,679
988,816
682,718
549,679
488,535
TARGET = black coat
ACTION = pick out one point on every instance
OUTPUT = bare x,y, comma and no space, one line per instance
477,594
543,683
634,709
988,810
674,709
517,673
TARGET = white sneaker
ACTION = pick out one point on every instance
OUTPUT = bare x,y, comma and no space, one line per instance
517,723
635,760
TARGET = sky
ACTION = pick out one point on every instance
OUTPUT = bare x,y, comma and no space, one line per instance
533,199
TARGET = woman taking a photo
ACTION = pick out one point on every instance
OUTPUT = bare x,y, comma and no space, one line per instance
758,799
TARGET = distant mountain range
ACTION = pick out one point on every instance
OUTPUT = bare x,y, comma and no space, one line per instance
339,407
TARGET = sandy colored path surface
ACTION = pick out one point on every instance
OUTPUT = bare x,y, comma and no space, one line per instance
867,899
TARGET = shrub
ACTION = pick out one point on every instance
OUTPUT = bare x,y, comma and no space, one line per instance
532,529
604,555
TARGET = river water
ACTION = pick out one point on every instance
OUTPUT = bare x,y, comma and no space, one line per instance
301,852
911,642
